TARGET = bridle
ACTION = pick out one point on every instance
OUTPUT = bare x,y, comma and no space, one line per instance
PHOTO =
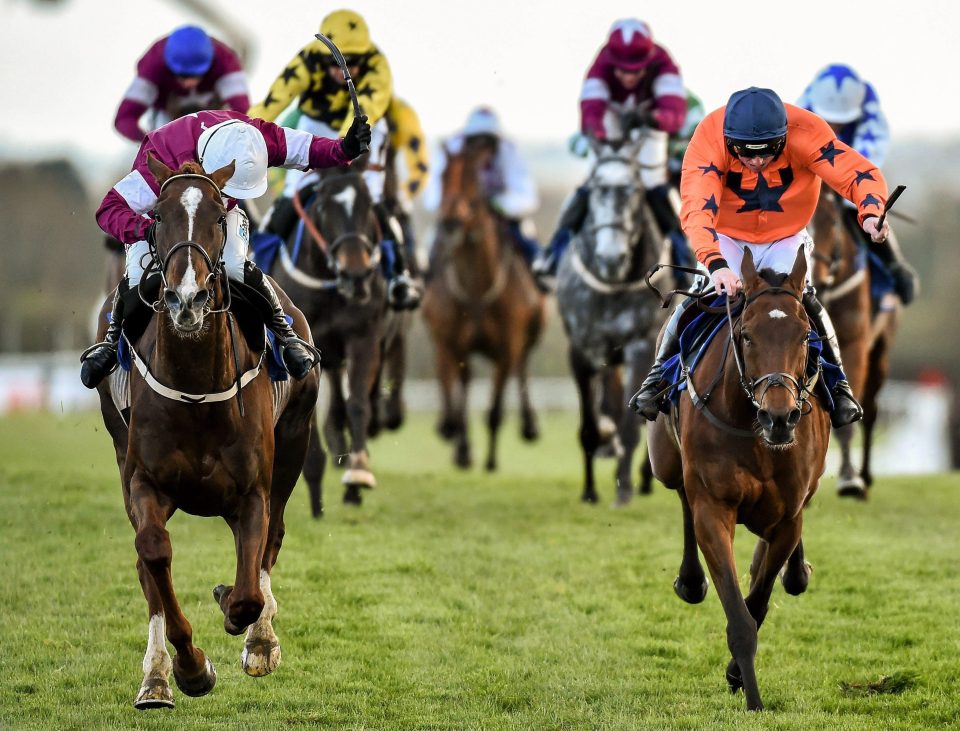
777,379
329,249
215,269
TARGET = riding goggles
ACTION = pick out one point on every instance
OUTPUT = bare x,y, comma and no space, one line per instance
756,148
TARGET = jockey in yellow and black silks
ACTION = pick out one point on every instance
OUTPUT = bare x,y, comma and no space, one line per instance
314,77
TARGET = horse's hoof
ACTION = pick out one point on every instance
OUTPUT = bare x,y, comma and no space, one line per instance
462,458
590,497
490,466
690,596
200,685
734,679
359,478
154,693
530,431
260,657
447,430
853,487
795,583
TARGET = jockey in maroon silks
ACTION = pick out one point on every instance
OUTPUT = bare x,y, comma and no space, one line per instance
186,69
633,82
213,139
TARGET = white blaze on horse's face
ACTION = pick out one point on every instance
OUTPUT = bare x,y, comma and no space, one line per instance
188,287
346,198
612,215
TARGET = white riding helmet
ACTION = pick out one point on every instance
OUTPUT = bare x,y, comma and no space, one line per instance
482,121
837,94
231,140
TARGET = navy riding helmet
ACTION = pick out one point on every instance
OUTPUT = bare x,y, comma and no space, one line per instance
755,123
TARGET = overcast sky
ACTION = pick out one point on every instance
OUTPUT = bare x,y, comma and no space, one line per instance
64,69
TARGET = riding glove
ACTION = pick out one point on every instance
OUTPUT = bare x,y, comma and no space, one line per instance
357,140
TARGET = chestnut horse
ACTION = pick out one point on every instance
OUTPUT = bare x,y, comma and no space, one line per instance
482,299
750,451
191,445
335,277
842,278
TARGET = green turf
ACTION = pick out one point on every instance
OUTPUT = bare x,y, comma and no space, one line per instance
456,600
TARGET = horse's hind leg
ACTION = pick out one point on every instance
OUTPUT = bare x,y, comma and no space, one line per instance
876,375
529,427
395,369
714,527
149,512
314,466
849,481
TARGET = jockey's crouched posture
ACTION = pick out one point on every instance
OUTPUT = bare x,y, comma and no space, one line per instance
213,139
751,177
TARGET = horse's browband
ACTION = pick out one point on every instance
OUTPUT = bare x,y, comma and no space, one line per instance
772,290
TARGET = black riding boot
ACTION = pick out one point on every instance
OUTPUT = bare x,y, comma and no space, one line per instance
846,410
402,292
298,356
906,283
663,211
282,217
572,216
100,360
645,401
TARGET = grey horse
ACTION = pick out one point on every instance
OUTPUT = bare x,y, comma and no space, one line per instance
609,313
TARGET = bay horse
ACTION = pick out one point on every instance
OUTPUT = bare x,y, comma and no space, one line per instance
189,443
751,450
841,275
480,298
610,314
334,275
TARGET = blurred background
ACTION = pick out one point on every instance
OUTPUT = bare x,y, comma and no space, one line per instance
66,64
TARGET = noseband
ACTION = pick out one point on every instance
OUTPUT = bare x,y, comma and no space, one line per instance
161,265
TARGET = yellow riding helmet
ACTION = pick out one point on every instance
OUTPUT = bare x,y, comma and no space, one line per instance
348,31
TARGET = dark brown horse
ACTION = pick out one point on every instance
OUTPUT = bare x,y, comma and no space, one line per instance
842,279
335,277
481,299
189,446
752,454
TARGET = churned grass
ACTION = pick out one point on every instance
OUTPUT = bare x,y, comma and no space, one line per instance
461,600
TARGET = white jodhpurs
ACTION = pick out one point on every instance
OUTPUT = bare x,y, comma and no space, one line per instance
378,154
234,252
778,255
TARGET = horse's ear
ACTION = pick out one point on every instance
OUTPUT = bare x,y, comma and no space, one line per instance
221,176
160,171
748,271
798,275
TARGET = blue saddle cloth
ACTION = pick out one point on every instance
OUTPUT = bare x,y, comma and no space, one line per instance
275,367
694,344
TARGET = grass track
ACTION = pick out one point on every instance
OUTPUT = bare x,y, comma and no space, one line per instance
463,601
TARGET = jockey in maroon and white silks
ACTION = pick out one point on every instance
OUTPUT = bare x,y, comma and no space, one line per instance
184,69
122,213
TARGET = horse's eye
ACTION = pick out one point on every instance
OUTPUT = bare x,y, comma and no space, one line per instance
157,218
746,338
222,220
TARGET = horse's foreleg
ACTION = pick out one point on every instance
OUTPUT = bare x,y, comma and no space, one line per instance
314,465
155,689
363,359
849,482
395,371
149,513
637,359
448,372
877,375
796,576
714,526
529,428
462,457
243,602
336,421
769,561
495,415
583,374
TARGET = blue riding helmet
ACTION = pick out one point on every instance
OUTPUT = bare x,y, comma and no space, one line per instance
755,122
188,51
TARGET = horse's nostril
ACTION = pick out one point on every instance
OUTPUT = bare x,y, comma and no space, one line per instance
766,421
171,299
200,298
793,418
